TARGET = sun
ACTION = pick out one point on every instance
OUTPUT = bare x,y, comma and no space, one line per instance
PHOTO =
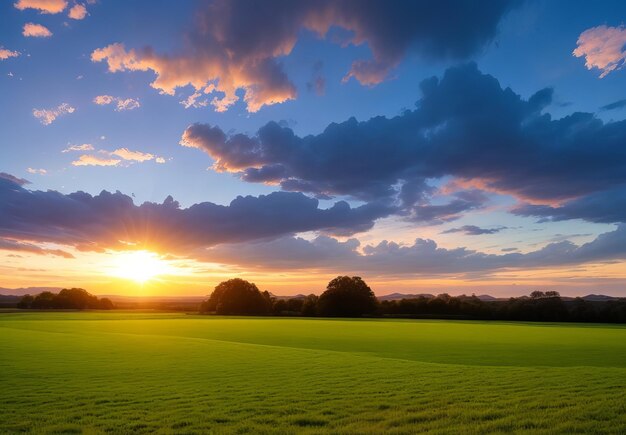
138,266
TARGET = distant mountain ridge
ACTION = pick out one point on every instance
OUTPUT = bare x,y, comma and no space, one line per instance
171,298
488,298
27,290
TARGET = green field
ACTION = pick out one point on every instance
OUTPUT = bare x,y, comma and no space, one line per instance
125,372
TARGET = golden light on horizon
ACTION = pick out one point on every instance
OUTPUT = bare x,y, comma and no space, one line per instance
138,266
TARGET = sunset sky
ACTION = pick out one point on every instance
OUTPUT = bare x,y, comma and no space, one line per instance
154,147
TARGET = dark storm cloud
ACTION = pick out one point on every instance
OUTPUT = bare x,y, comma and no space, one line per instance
235,44
423,257
465,126
473,230
112,220
620,104
602,207
14,179
461,203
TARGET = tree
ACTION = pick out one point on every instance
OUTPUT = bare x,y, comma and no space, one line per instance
73,299
44,300
25,302
347,297
309,306
105,304
237,297
76,298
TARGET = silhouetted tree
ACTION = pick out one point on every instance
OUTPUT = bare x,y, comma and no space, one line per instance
44,300
106,304
309,306
279,307
76,298
347,297
237,297
26,302
73,299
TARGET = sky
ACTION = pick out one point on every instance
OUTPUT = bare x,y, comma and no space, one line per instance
158,148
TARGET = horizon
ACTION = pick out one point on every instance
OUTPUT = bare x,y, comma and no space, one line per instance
208,142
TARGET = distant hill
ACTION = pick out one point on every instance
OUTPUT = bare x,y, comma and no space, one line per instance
598,298
27,290
488,298
398,296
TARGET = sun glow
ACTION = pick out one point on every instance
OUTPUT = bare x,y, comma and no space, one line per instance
138,266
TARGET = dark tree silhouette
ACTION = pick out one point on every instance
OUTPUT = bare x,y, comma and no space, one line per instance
44,300
67,299
105,304
25,302
309,306
237,297
76,298
347,297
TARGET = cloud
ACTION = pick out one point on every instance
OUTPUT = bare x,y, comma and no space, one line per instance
473,230
83,147
47,116
236,46
194,101
317,83
37,171
619,104
13,245
36,31
137,156
423,258
43,6
114,158
258,232
103,99
13,179
5,53
127,104
112,220
461,203
603,48
91,160
77,12
465,126
121,103
606,206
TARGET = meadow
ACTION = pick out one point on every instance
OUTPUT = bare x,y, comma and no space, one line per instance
144,372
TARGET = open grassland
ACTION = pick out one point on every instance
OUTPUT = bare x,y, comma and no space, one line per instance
170,373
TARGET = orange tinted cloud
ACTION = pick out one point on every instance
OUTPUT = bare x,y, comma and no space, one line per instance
263,82
91,160
603,48
5,54
137,156
47,116
43,6
21,246
121,103
77,12
37,171
235,46
36,31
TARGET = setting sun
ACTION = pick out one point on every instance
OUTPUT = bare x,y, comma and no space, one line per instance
138,266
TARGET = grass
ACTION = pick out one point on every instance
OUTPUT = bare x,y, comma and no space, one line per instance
129,372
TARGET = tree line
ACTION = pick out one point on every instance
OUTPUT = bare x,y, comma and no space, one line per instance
66,299
351,297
